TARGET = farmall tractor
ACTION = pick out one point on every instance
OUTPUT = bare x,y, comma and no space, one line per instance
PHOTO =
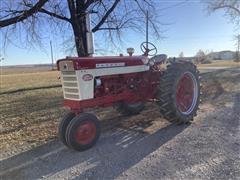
127,82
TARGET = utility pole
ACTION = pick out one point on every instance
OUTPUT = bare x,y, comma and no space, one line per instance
147,29
238,48
1,64
52,55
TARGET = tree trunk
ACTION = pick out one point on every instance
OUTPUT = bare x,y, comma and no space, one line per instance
78,21
80,31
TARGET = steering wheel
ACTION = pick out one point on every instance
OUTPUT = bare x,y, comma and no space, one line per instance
146,50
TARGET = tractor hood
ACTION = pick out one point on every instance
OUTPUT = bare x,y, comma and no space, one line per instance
78,63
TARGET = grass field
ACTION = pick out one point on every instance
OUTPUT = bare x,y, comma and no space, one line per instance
13,78
30,118
221,63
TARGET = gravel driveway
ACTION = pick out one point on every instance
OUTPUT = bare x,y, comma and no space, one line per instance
208,148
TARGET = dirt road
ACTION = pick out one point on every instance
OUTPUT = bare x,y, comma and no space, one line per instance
148,147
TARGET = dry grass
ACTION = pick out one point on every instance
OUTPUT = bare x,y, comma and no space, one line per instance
24,69
220,84
221,63
29,118
14,81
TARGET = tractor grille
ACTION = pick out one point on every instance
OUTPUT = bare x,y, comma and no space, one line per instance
70,85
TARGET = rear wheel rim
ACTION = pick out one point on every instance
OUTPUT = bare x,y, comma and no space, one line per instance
86,132
187,93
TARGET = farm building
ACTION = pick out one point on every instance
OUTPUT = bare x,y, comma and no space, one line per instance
222,55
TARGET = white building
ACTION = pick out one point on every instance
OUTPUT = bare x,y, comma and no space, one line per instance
222,55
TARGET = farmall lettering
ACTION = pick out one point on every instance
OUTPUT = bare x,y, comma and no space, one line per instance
106,65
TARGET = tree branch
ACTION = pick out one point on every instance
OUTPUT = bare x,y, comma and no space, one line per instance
72,8
24,15
54,15
227,6
101,22
109,28
89,2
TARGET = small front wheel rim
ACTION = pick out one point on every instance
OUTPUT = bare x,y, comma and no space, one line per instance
86,132
187,93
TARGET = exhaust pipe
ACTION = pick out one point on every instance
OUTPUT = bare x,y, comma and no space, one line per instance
90,44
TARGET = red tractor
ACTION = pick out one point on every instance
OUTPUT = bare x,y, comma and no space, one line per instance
127,82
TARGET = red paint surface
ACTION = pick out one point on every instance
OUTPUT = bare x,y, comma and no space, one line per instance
129,88
85,133
185,93
90,62
103,101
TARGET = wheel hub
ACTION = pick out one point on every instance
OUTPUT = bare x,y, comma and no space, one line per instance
186,94
85,133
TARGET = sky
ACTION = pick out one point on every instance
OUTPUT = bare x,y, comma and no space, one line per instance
189,29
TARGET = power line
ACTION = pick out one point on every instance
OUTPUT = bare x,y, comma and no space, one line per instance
173,6
197,38
51,54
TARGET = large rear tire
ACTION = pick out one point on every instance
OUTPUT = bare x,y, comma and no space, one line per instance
179,92
83,132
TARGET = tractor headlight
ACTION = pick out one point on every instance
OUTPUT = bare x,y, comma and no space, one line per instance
98,82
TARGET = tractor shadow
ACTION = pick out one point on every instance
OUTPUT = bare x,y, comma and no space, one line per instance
122,145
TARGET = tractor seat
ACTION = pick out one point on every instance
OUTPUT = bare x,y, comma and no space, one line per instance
160,58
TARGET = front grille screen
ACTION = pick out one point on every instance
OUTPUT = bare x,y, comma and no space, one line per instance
70,85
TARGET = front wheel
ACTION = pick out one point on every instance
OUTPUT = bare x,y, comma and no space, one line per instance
83,132
179,92
63,126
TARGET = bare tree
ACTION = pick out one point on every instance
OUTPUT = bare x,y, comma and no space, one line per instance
238,48
181,55
231,8
200,56
37,16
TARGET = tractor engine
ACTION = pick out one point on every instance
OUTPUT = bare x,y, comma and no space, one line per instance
101,81
115,84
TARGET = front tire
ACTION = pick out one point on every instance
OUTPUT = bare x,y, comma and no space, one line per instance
179,92
83,132
63,126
